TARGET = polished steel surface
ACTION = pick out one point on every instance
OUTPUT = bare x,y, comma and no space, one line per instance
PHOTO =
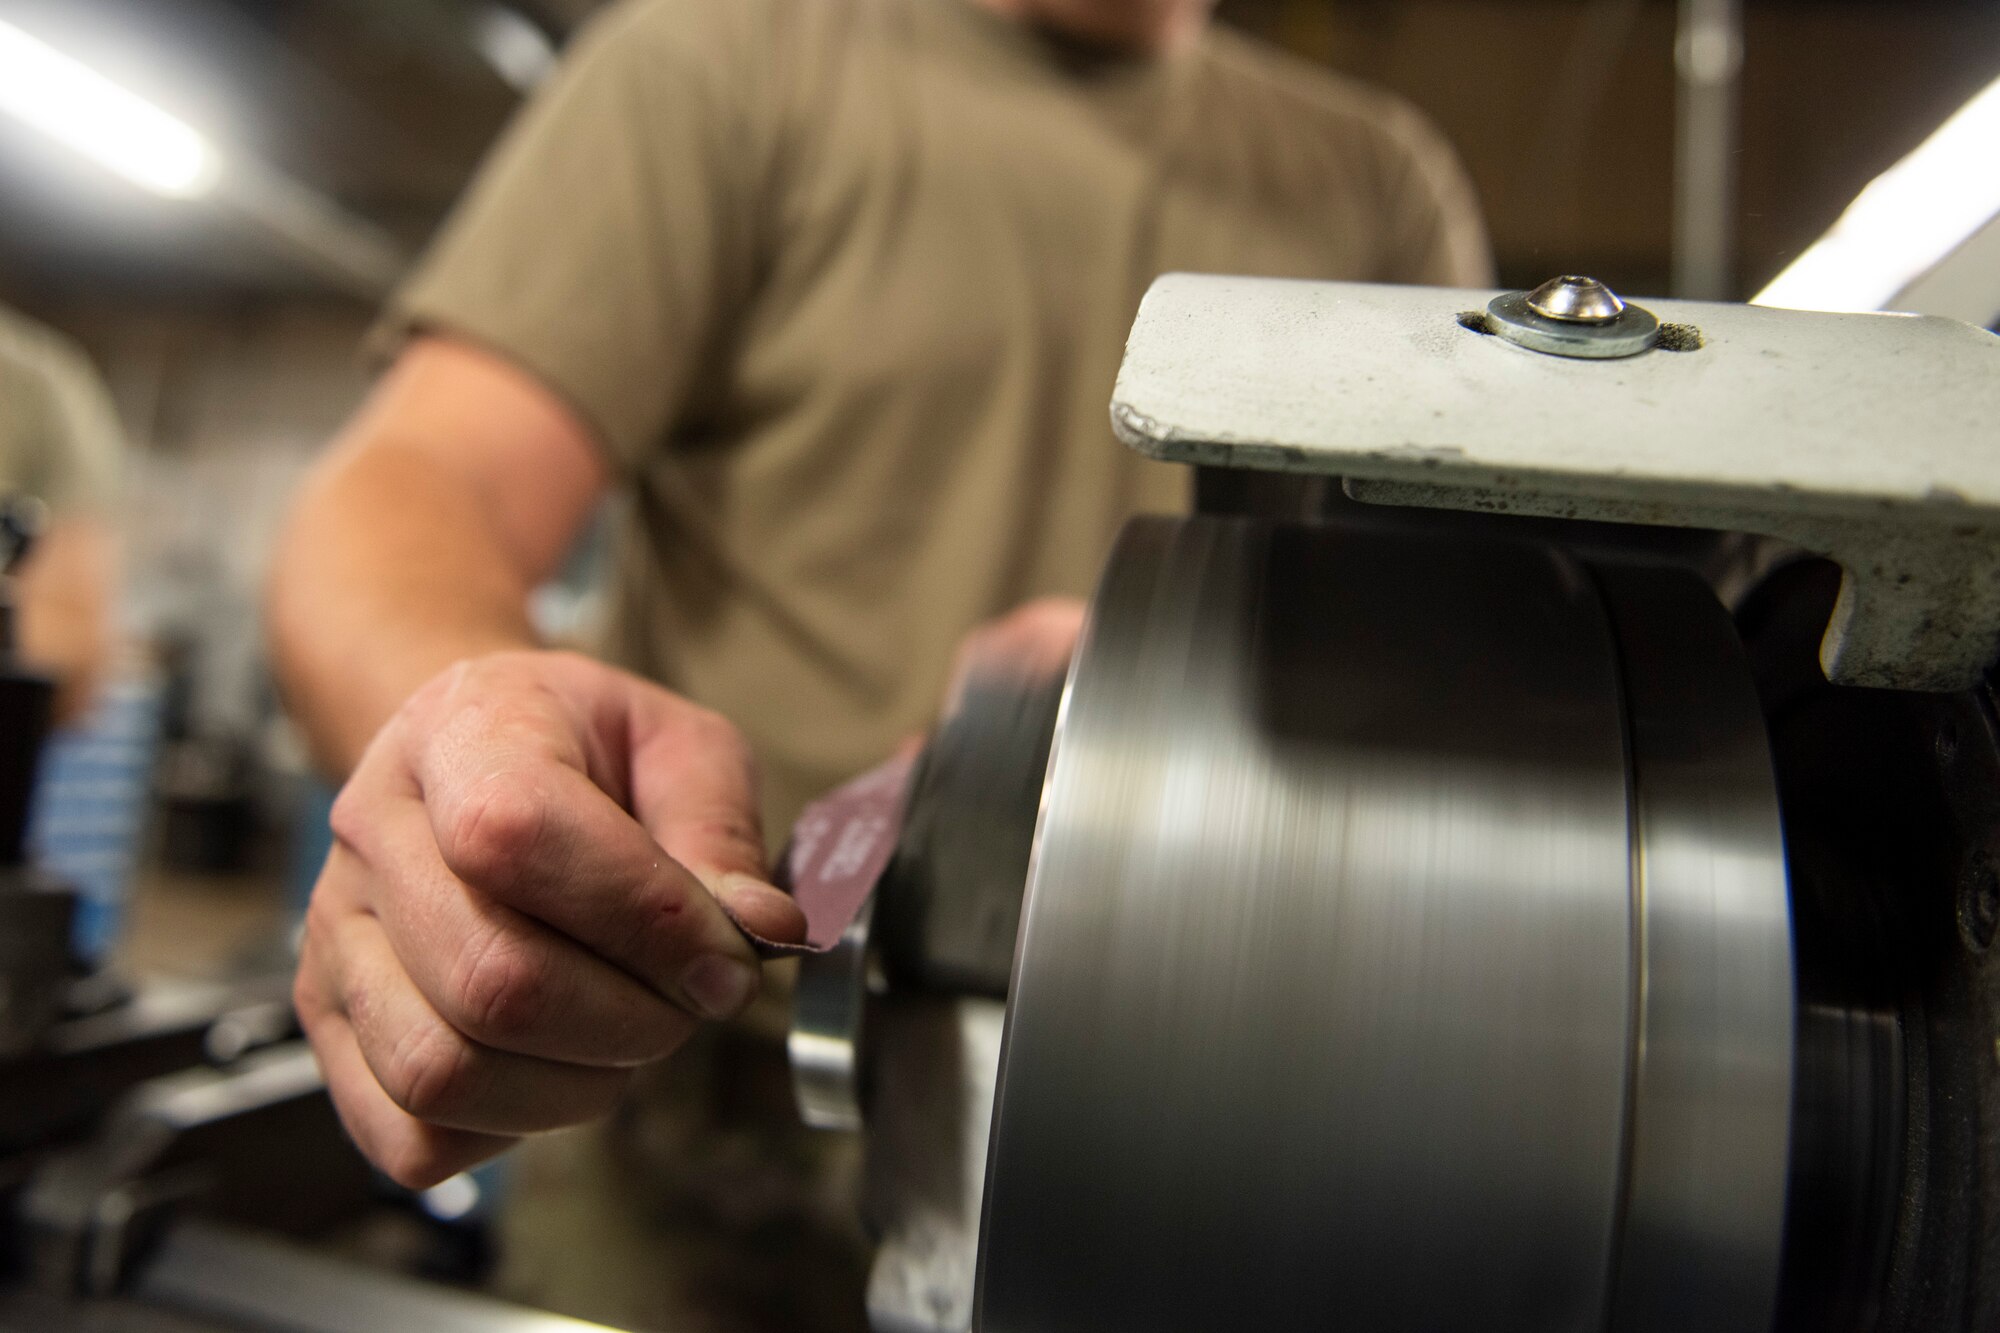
934,1060
1323,998
1576,300
829,1005
1712,1073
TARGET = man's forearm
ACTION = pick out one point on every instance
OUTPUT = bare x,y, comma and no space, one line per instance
65,597
388,572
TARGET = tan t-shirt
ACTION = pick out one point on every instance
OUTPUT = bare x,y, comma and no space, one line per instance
60,439
843,286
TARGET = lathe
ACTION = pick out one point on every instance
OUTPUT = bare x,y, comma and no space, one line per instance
1546,881
1523,857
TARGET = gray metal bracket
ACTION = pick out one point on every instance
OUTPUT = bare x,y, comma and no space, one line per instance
1873,440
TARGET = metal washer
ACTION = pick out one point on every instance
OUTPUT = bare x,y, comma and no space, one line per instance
1633,331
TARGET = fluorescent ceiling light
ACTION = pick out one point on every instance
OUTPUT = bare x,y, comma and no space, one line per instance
73,103
1906,221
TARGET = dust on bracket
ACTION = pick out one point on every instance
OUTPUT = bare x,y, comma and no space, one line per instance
1680,338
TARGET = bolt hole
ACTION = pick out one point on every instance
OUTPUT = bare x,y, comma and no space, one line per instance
1476,320
1681,338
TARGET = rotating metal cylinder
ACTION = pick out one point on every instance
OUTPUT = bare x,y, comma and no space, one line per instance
1406,947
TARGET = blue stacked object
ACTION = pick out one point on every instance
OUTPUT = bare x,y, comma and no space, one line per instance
90,804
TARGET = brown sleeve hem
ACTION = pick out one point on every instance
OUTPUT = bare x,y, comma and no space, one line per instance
407,321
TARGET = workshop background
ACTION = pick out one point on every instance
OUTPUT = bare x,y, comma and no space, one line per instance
227,324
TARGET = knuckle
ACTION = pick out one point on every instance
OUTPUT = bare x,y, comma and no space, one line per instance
432,1073
501,988
350,817
494,831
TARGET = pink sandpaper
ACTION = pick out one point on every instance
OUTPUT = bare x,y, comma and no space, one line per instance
838,850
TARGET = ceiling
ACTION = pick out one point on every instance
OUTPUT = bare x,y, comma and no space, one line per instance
384,107
381,106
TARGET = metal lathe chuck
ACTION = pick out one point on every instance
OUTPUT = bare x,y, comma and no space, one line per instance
1406,946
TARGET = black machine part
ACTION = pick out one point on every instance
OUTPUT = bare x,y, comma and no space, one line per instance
949,905
1891,803
35,909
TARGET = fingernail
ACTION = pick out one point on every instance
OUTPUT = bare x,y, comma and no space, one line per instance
719,986
768,915
749,887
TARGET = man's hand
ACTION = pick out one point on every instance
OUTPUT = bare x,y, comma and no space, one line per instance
522,906
1033,641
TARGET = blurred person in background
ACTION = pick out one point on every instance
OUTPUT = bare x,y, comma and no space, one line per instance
60,444
832,295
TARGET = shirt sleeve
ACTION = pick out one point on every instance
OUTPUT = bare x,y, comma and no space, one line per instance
60,425
1435,233
615,226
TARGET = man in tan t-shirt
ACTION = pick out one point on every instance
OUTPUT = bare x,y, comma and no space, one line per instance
60,444
832,293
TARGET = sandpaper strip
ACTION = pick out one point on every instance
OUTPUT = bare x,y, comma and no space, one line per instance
838,850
